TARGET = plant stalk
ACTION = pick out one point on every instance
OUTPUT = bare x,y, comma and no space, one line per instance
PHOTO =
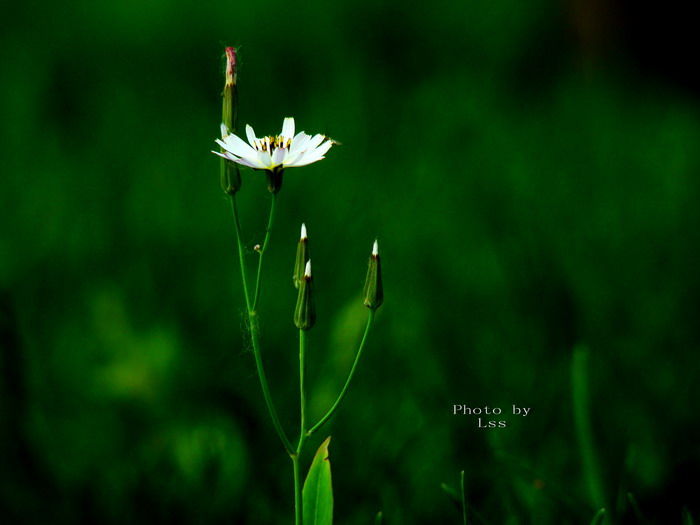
254,325
298,487
341,396
582,422
268,231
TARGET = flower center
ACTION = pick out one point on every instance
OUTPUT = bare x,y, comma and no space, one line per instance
271,143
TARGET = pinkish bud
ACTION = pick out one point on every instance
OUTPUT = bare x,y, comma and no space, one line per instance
231,69
230,175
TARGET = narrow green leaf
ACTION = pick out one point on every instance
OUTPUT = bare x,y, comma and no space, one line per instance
460,502
318,490
584,425
635,507
452,494
464,497
598,518
687,517
379,519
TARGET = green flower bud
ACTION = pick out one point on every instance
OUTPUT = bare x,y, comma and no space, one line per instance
230,177
302,257
305,311
230,174
373,292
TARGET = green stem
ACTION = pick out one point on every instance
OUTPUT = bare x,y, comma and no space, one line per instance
255,328
335,406
254,336
582,421
298,488
241,249
298,500
262,252
464,498
302,385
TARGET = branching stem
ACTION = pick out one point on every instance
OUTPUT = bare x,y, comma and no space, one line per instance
253,317
341,396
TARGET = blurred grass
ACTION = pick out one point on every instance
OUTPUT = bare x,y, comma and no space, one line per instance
524,203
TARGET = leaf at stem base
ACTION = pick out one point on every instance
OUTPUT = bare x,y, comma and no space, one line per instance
318,490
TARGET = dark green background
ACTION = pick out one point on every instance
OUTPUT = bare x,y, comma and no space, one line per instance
530,170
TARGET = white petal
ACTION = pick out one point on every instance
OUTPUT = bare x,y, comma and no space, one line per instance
251,163
264,159
288,128
235,145
291,158
278,156
311,156
315,141
297,147
250,134
299,142
320,150
305,151
303,161
229,156
297,160
224,131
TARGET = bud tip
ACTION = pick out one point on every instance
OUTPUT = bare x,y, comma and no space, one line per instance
303,231
307,271
373,291
230,66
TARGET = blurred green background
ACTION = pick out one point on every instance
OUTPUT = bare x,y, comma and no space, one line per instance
530,170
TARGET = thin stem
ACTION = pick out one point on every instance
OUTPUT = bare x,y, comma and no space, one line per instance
254,336
241,249
255,332
298,489
298,499
262,252
302,385
335,406
582,421
464,498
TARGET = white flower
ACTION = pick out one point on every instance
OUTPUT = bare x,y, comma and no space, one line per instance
274,153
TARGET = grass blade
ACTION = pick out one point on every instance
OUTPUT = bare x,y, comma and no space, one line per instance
598,518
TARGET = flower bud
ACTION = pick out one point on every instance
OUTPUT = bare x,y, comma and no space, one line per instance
373,292
302,257
305,311
230,174
230,107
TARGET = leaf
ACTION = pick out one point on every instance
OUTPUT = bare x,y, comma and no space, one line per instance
598,518
379,519
457,498
687,517
460,502
452,494
318,490
464,497
635,507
